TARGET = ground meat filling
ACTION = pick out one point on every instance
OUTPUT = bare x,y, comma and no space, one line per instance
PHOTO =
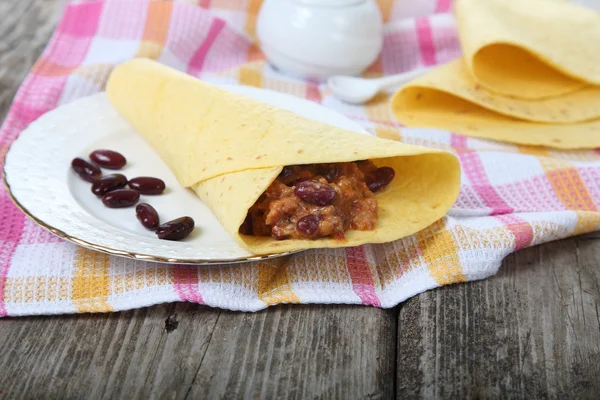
318,200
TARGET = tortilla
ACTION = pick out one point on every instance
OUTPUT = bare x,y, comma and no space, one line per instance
448,98
437,109
229,148
453,78
530,49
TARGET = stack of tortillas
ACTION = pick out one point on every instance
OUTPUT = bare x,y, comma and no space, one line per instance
530,74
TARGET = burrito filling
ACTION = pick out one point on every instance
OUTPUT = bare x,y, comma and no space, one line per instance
318,200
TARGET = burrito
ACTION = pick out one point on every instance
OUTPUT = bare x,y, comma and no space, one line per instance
277,181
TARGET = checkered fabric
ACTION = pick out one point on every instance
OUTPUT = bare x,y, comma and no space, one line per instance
512,196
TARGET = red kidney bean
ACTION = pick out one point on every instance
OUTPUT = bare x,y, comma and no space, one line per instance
380,178
108,183
120,198
86,170
309,225
108,159
314,192
147,216
147,185
175,230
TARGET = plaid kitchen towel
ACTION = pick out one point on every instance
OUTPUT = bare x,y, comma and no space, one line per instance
512,196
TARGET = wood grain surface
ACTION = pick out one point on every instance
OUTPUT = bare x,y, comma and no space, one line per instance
185,350
532,331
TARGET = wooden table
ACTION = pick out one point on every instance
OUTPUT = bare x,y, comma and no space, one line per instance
532,331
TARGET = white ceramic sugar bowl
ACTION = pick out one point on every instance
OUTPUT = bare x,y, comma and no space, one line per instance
316,39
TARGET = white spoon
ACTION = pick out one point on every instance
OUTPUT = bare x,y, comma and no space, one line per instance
359,90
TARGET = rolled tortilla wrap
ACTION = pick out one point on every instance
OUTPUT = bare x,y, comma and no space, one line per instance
229,148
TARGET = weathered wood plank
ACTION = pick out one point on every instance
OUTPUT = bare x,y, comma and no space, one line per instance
119,355
289,352
301,352
532,331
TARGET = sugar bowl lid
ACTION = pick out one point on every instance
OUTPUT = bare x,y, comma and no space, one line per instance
329,3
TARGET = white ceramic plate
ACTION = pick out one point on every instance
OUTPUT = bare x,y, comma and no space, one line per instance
38,176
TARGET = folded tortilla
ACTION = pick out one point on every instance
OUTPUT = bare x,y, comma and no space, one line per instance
530,49
449,98
530,74
454,79
229,148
